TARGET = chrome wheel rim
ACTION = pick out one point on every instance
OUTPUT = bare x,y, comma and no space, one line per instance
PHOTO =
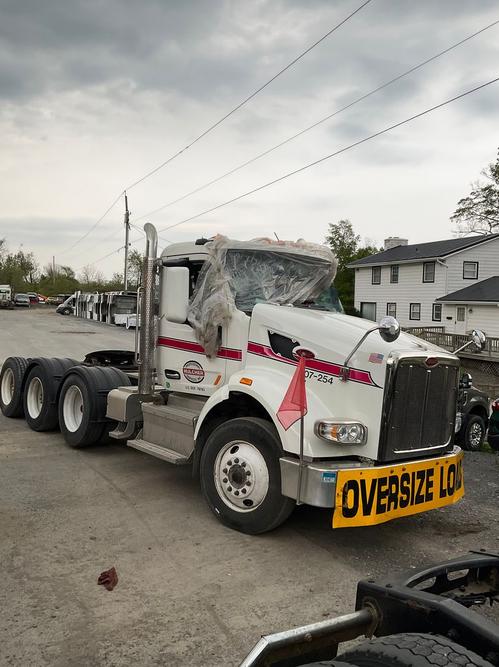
241,476
72,408
475,435
7,388
34,398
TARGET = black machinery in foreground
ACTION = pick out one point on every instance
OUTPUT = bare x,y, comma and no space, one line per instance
420,618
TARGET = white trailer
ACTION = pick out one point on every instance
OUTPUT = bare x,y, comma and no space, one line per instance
213,367
6,296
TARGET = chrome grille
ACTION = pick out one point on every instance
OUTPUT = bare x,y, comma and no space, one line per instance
419,407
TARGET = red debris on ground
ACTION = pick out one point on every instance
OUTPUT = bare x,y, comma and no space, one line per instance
108,579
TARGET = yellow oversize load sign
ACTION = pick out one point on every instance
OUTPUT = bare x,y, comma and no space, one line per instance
365,497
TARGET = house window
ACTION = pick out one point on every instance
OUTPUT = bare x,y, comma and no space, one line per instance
470,270
368,310
436,312
391,309
415,311
460,313
429,272
376,275
394,273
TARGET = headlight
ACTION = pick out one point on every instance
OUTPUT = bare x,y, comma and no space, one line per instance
342,432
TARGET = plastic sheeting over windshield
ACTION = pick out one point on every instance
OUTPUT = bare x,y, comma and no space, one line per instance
240,274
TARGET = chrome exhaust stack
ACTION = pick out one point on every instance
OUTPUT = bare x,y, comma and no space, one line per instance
147,342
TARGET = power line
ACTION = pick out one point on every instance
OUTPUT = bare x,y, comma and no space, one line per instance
247,99
220,121
87,233
315,124
331,155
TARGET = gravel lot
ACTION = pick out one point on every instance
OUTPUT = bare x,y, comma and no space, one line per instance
190,591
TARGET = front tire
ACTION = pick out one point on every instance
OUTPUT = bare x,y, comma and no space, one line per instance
83,403
241,476
474,433
11,386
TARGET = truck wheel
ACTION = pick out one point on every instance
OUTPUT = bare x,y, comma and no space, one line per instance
66,311
83,403
474,433
241,476
412,650
11,386
40,392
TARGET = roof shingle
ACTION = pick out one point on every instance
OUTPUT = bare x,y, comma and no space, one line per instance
485,290
405,253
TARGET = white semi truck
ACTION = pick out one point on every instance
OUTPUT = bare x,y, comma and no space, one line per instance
6,296
221,326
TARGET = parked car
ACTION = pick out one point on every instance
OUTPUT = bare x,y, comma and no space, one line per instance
22,300
68,307
33,297
473,406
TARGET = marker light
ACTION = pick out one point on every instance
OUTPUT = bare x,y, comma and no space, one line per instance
343,432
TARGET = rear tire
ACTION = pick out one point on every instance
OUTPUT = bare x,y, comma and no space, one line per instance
40,392
241,476
83,403
11,386
412,650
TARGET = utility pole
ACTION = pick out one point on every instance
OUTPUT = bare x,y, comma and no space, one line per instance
127,233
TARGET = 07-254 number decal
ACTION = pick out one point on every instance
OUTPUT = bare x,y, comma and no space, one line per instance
320,377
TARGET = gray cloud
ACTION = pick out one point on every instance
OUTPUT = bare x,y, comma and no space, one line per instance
96,93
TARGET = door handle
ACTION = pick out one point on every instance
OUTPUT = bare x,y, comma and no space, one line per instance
172,375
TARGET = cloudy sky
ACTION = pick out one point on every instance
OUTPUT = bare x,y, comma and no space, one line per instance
96,93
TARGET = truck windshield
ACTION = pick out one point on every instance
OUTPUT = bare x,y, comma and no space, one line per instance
125,305
265,276
327,300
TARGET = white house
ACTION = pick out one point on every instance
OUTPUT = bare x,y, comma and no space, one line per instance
452,284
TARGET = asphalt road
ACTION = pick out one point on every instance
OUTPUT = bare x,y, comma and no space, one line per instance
190,591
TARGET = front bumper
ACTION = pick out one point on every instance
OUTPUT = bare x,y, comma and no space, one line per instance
368,495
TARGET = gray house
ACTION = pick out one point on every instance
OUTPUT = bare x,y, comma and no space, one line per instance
452,283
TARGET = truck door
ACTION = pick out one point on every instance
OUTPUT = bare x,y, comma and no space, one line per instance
182,364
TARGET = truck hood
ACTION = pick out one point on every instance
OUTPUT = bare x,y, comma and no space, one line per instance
332,336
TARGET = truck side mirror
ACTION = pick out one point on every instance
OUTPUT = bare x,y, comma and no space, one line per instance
478,337
175,298
389,329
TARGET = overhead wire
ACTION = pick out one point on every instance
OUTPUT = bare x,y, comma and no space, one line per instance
315,124
248,98
330,155
218,122
344,149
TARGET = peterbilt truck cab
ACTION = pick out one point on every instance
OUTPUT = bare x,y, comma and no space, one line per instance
377,438
227,331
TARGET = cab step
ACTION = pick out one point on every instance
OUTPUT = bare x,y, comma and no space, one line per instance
159,451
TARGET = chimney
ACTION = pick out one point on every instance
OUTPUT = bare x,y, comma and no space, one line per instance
394,241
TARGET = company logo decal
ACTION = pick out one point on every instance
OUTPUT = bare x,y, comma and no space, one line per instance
193,372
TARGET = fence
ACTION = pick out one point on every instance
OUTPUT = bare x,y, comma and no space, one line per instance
451,341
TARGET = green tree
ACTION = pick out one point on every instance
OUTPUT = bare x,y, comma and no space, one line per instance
478,213
135,261
346,245
18,269
61,280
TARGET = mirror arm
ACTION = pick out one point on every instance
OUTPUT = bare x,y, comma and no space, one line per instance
470,342
345,369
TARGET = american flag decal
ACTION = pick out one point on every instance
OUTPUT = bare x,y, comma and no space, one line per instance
376,357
